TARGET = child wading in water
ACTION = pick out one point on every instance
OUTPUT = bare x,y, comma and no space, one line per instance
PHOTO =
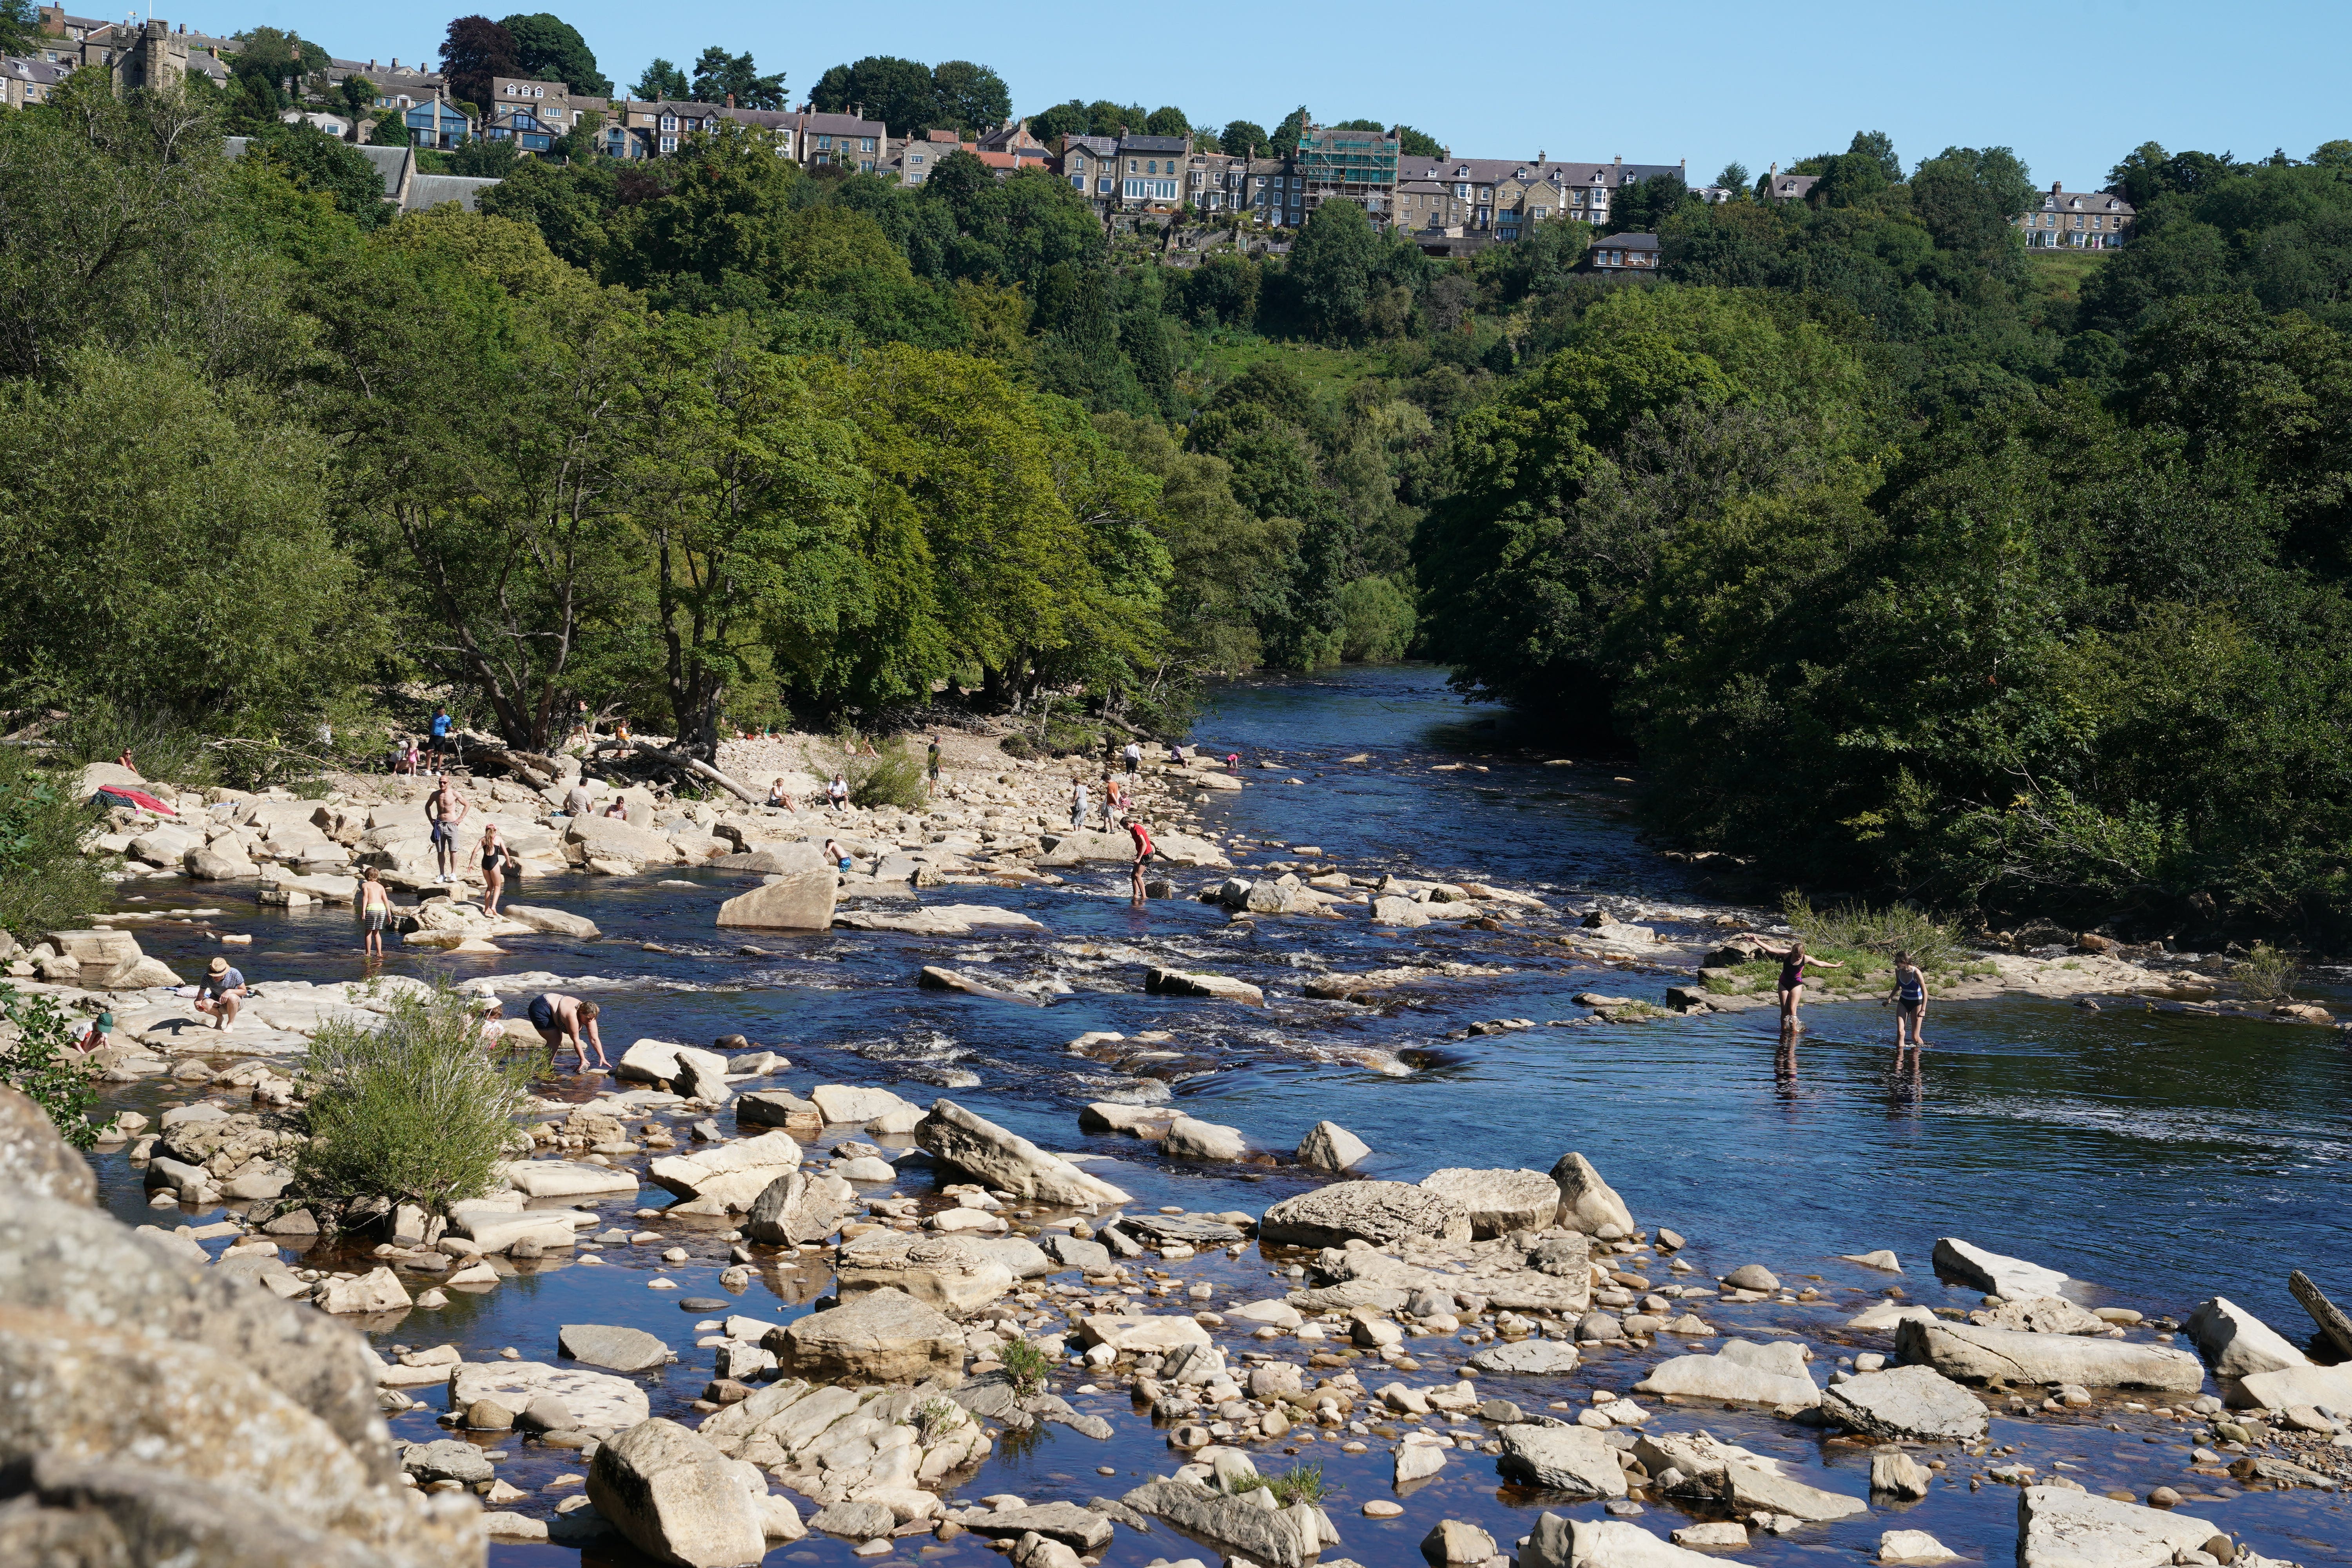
1909,995
1793,960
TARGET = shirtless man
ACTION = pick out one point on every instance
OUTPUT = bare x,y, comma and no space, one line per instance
563,1020
445,808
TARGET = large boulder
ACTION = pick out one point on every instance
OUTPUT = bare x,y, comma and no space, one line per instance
882,1336
1377,1212
107,956
35,1163
1914,1402
64,1261
1161,981
2237,1343
1574,1459
842,1104
554,922
1499,1202
1328,1146
781,1107
677,1499
1974,1354
612,1346
1732,1477
793,1208
2058,1527
1148,1335
595,1400
199,1442
1966,1264
727,1179
1189,1138
1755,1374
955,1274
612,838
567,1179
983,1149
1561,1542
1277,1538
1586,1202
798,897
1527,1358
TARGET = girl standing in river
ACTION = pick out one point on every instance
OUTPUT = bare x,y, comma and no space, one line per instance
1793,960
1909,995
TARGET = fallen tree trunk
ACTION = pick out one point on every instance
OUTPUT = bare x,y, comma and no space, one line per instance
2324,1313
699,769
481,750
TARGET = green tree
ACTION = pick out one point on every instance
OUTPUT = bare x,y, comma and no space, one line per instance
311,160
900,92
1241,139
1969,196
1167,122
719,77
549,48
1414,143
1331,269
237,608
970,97
744,492
662,82
474,51
1285,140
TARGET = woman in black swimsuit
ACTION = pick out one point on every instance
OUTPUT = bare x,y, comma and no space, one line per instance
1793,960
494,867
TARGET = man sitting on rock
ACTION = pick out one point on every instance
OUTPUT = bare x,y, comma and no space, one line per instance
220,992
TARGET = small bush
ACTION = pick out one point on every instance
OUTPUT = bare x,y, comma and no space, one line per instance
46,882
416,1111
2267,974
1020,747
36,1059
1300,1483
892,776
1897,928
1026,1364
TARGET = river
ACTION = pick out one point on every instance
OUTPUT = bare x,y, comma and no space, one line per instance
2159,1159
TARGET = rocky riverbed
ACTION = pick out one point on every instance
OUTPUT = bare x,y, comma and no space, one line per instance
772,1279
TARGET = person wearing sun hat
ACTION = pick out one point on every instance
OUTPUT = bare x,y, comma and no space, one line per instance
220,993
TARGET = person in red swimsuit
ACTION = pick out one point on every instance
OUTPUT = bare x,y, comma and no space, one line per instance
1144,851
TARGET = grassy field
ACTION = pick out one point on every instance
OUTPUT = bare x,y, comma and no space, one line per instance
1329,372
2061,273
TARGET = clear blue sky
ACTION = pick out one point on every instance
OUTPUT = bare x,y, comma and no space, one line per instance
2070,86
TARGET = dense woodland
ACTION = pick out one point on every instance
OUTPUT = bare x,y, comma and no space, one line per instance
1904,559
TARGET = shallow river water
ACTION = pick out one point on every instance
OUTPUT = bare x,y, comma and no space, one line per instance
2159,1159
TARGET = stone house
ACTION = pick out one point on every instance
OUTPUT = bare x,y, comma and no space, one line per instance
1626,253
2076,220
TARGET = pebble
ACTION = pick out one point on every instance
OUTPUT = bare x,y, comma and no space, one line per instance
1381,1508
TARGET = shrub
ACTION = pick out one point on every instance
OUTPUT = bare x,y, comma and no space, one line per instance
1300,1483
163,747
46,882
35,1059
1897,928
2267,974
416,1111
892,776
1026,1364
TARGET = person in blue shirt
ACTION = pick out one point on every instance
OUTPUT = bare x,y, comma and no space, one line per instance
220,993
441,730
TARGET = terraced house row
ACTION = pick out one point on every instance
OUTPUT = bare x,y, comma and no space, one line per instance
1449,204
